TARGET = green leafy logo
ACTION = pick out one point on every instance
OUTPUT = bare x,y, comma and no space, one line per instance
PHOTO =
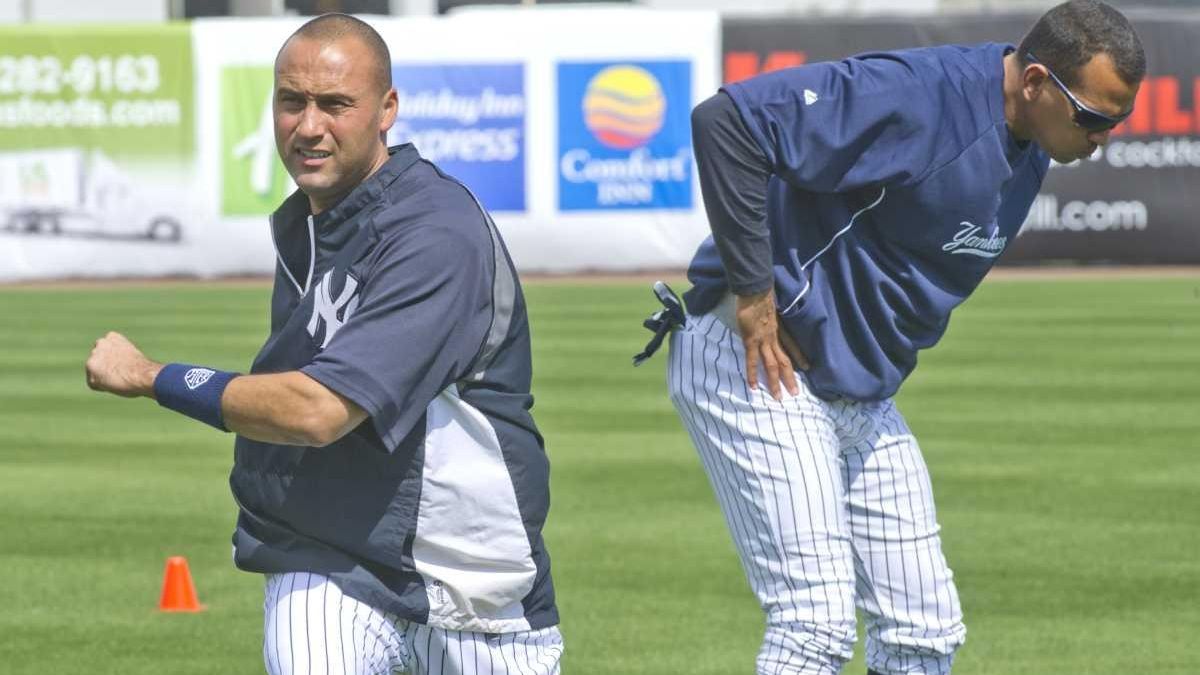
253,180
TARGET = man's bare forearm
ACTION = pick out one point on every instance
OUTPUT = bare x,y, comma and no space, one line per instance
289,408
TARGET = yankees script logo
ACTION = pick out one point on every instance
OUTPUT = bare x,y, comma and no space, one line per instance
326,309
968,241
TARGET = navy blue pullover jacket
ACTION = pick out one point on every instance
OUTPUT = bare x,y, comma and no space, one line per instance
894,184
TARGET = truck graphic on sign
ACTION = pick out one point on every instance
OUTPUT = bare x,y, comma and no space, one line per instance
77,193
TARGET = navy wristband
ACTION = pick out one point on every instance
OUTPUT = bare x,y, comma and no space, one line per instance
193,391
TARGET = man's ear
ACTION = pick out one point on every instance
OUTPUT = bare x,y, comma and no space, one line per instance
1033,81
391,104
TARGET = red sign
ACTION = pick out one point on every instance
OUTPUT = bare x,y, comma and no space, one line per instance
1157,110
742,65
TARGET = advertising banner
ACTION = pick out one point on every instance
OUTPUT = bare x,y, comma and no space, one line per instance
610,183
569,124
149,150
97,145
623,136
1133,201
126,92
253,180
468,118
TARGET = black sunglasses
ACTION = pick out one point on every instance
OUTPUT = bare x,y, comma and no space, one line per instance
1085,117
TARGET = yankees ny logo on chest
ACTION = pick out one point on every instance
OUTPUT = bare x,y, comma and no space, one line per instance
330,312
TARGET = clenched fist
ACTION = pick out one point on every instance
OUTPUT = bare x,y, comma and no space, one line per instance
117,366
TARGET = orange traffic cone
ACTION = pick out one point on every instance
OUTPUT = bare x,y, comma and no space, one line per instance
178,593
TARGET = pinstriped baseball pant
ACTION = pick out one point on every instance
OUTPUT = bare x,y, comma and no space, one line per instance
313,629
830,507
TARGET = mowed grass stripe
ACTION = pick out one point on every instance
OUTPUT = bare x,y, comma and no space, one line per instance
1057,417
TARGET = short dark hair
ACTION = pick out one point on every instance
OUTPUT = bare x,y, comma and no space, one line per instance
335,26
1069,35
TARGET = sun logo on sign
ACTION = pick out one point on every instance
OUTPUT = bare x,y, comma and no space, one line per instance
624,107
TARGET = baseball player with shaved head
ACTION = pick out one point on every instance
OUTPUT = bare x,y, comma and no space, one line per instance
853,205
391,483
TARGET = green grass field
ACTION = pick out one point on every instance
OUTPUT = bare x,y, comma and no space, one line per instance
1060,420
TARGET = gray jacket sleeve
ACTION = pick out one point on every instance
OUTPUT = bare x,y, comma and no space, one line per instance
734,174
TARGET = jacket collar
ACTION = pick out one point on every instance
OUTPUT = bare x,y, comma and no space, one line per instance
400,158
295,230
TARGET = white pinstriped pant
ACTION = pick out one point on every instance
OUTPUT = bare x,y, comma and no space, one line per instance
313,629
830,506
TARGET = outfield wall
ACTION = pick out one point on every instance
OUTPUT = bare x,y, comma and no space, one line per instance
147,150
